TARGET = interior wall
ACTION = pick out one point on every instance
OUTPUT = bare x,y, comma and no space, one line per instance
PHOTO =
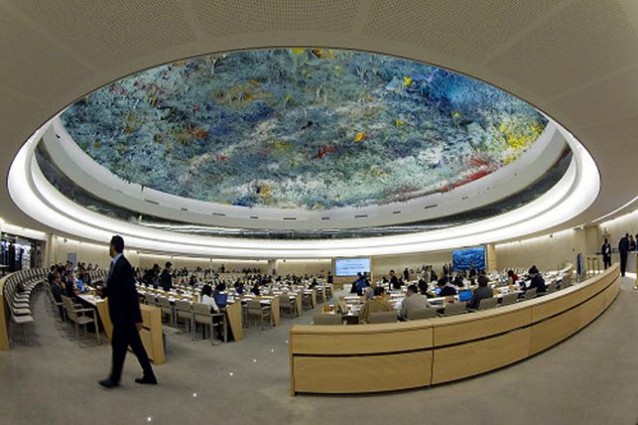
148,260
617,227
301,267
382,265
88,253
547,252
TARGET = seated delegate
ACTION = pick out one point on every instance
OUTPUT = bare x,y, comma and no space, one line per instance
208,299
376,305
341,307
413,302
447,289
512,278
482,292
537,281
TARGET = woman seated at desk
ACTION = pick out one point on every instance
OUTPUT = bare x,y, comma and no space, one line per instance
512,278
208,299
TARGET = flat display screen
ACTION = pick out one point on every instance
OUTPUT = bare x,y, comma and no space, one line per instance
465,295
463,258
351,266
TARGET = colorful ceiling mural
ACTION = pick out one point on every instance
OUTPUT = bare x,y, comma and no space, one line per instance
301,128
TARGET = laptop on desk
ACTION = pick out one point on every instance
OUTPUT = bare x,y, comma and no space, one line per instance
465,295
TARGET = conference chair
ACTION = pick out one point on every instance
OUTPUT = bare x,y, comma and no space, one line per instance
452,309
203,316
167,309
286,304
487,303
255,309
508,299
184,311
79,319
382,317
530,294
55,309
327,319
320,296
23,321
425,313
149,299
306,301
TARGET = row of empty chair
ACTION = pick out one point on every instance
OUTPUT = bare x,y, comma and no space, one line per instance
77,315
18,289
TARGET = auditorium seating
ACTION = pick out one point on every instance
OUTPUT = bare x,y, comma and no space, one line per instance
18,303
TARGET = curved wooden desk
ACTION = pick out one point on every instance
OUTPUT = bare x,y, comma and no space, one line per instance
397,356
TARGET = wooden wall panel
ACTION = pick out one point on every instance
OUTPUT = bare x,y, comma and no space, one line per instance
467,345
461,361
560,301
479,325
4,325
364,342
344,375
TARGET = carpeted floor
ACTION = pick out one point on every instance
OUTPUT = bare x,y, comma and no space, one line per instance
592,378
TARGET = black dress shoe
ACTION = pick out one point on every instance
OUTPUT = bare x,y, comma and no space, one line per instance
109,383
146,380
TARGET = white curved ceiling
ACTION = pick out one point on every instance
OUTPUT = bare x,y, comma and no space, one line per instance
502,183
575,60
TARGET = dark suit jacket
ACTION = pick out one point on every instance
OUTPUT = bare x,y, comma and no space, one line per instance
447,291
124,304
480,293
539,283
57,292
623,246
166,280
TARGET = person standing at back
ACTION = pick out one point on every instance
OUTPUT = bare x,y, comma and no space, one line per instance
124,310
605,250
394,281
623,249
166,278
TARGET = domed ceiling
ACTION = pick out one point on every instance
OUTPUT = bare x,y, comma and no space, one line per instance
301,128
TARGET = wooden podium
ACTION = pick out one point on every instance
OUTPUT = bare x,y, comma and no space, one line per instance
151,332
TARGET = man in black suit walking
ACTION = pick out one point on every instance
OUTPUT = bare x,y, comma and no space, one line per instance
124,309
623,249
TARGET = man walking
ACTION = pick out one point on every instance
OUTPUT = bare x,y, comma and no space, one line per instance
124,310
623,249
605,250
